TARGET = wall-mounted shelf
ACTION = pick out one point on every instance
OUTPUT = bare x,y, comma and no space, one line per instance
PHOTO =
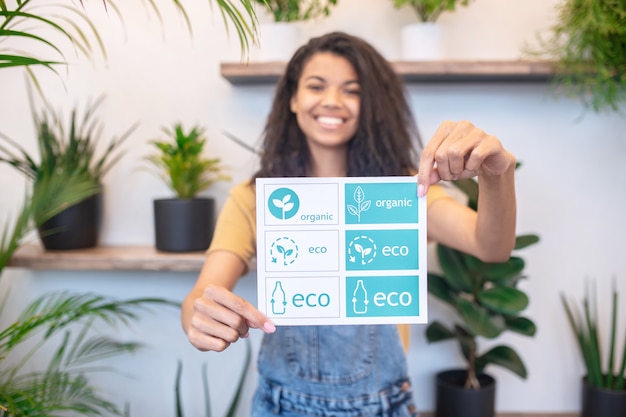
436,71
107,258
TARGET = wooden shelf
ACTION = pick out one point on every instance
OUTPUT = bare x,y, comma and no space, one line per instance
118,258
436,71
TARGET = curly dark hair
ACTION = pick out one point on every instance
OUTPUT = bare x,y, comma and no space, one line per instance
386,138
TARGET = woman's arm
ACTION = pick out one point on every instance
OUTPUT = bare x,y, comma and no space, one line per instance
460,150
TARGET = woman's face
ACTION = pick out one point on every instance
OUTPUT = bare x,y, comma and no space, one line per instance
327,101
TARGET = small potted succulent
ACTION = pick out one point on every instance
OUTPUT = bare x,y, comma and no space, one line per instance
423,41
185,223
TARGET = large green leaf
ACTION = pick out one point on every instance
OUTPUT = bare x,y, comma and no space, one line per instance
524,241
505,300
454,269
521,325
438,287
504,271
478,319
503,356
436,332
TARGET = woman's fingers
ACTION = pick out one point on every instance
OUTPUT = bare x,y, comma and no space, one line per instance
221,317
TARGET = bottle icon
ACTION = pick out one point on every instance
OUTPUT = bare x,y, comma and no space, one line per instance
279,299
359,298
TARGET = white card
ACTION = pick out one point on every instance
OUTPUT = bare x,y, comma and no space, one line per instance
341,250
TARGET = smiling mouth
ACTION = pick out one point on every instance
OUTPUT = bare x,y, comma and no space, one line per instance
329,121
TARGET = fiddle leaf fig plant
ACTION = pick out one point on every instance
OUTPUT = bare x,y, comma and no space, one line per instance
486,299
430,10
181,163
297,10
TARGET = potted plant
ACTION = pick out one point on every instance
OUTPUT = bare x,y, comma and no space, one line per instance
604,386
423,41
185,223
587,44
63,385
280,37
69,154
24,20
487,302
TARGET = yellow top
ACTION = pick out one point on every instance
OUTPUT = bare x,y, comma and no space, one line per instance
235,230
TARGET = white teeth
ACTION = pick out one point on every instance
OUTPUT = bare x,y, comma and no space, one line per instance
329,120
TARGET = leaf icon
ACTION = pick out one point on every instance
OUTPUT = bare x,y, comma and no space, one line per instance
366,205
288,206
358,248
359,195
367,251
280,249
289,252
352,210
286,198
277,203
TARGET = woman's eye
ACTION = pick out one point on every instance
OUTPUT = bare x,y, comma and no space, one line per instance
353,91
315,87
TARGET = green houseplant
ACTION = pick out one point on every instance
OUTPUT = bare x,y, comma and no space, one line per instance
487,302
236,399
71,154
424,40
604,386
430,10
588,44
280,37
58,319
297,10
40,24
185,223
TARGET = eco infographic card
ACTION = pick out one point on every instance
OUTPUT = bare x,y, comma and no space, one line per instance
341,250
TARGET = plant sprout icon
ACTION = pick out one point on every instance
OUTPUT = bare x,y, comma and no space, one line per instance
284,248
366,250
283,204
361,204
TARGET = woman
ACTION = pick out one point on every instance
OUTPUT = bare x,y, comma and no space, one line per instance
340,110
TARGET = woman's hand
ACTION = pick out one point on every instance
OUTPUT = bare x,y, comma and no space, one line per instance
220,318
212,315
461,150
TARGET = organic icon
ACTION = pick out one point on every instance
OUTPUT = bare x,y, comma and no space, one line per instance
284,203
284,249
361,204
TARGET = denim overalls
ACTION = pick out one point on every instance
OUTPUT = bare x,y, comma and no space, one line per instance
338,371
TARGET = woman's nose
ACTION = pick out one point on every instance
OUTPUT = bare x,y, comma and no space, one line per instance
331,98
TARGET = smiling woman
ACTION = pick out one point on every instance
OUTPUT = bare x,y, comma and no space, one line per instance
26,21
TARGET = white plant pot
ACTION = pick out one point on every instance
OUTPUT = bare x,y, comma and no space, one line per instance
423,42
278,42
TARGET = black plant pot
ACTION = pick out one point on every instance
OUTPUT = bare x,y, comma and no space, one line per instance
183,225
601,402
76,227
453,400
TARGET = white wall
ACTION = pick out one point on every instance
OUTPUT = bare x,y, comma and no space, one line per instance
569,189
